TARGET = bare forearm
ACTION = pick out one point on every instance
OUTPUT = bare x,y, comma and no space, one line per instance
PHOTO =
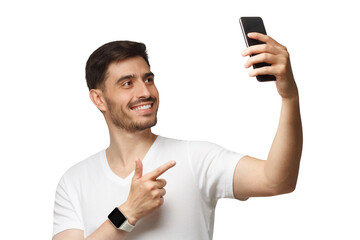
107,231
282,165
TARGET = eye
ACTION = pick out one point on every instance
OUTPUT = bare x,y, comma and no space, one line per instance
126,84
149,80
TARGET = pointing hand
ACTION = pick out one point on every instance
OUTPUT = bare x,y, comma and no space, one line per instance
146,192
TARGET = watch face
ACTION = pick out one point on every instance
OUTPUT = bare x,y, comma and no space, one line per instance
117,218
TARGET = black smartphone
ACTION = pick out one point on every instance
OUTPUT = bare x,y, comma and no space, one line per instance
255,24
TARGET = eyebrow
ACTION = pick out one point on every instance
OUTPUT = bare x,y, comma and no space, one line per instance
149,74
125,78
146,75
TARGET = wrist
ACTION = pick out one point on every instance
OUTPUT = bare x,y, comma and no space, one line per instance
293,98
126,210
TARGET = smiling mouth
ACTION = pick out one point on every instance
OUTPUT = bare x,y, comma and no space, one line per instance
142,107
145,107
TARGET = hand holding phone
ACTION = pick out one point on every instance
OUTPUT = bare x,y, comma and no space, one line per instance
280,69
255,24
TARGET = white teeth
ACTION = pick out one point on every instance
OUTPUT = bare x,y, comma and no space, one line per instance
143,107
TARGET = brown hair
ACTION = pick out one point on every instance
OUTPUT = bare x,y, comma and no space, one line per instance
101,58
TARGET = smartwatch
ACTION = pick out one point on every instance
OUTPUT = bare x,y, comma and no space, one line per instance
120,221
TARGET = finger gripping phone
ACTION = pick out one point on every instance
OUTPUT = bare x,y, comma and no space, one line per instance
255,24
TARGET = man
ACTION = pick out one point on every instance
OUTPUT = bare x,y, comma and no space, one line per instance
120,192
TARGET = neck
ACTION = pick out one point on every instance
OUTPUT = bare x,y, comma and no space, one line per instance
126,146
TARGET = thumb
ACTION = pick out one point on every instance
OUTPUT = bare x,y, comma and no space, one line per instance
138,169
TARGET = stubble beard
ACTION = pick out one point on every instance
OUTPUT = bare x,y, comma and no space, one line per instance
123,121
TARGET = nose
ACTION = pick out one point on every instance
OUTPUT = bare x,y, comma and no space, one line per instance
142,90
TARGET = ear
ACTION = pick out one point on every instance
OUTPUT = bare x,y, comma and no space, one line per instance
96,96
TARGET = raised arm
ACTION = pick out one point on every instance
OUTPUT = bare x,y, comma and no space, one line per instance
278,174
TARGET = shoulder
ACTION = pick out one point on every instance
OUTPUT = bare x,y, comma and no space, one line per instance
170,145
86,167
193,148
191,143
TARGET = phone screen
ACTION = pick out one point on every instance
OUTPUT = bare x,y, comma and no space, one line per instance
255,24
252,24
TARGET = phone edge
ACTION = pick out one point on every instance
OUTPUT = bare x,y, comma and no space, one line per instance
243,31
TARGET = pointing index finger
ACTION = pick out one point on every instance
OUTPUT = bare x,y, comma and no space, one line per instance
160,170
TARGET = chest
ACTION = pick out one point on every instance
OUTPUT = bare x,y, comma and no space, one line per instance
182,206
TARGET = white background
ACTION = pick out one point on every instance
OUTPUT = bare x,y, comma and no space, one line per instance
48,122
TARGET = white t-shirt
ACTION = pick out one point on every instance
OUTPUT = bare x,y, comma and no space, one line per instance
203,173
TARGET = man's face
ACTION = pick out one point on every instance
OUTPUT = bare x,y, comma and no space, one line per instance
131,96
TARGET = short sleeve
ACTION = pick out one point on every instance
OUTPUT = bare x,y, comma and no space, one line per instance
213,169
65,214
